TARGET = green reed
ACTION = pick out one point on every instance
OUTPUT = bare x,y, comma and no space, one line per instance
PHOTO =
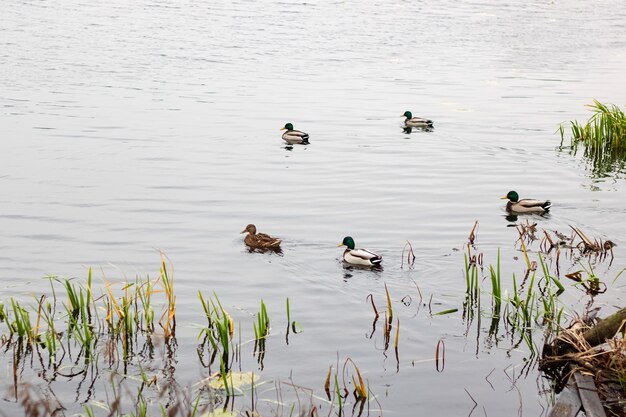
262,325
168,319
291,326
496,288
472,289
550,278
532,304
339,397
79,312
603,138
219,331
389,306
21,324
261,331
3,313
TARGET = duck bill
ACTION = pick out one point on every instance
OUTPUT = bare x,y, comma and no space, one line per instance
504,198
284,128
243,231
340,245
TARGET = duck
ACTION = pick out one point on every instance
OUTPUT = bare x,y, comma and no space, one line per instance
359,256
411,121
526,205
292,136
256,240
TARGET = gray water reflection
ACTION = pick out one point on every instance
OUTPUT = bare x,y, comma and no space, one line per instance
133,128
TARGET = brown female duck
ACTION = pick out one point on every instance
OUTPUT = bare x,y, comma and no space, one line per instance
260,240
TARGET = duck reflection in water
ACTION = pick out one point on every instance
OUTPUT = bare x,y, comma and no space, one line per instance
409,129
512,218
277,251
349,269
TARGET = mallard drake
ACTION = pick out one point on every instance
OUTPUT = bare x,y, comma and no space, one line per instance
259,240
359,256
292,136
527,205
411,121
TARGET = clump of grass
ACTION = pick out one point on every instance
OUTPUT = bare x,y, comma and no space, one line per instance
262,325
603,138
168,319
598,247
338,388
261,331
591,284
219,332
21,324
472,286
3,313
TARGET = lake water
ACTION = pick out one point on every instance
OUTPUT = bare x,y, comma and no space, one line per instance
133,127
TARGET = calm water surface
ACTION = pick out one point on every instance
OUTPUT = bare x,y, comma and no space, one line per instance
130,128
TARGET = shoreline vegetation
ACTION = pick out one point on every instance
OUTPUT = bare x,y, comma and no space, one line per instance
76,333
602,139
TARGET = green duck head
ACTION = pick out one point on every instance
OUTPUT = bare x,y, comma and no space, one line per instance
511,196
348,241
408,114
288,126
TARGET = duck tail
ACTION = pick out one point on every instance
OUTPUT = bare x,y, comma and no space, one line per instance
546,206
377,260
429,123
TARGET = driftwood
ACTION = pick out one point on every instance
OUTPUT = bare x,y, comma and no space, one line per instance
594,336
589,395
579,394
606,328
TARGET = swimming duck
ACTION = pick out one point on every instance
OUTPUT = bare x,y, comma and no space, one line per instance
359,256
526,205
411,121
260,240
292,136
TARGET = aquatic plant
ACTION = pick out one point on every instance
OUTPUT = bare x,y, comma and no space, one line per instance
472,288
261,331
292,326
262,325
62,335
339,391
410,255
168,319
603,138
218,332
496,288
440,356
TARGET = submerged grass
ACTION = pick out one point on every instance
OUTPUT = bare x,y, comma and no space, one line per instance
531,304
218,332
603,138
64,339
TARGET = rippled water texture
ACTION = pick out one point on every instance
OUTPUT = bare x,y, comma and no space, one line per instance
133,127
